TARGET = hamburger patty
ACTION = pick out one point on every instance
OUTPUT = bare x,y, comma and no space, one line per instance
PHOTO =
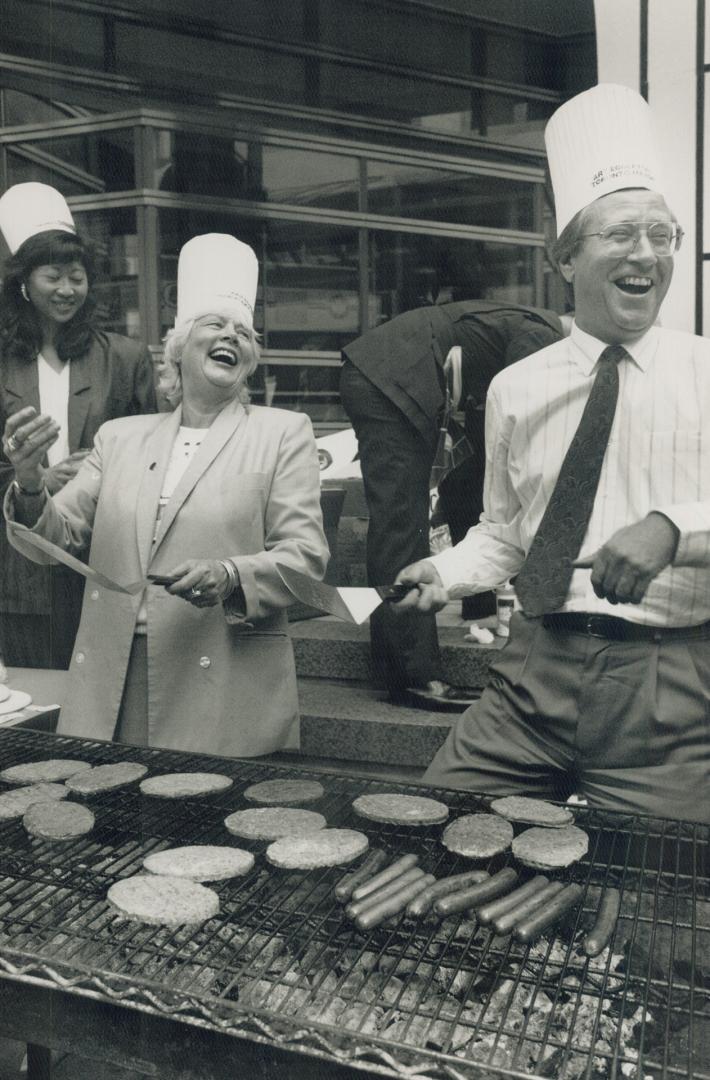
13,804
38,772
51,820
329,847
163,901
182,785
478,836
401,809
200,862
284,792
106,777
272,822
550,849
532,811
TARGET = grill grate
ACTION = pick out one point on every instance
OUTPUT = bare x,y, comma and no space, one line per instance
281,963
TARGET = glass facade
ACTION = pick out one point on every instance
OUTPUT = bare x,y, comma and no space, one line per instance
376,155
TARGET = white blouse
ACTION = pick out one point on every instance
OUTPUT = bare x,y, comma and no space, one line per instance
184,449
54,402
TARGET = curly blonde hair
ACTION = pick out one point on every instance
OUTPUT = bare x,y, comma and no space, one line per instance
169,374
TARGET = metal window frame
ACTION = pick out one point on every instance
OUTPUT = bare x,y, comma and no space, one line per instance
148,201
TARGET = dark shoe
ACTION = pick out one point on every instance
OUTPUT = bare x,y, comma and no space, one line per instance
439,696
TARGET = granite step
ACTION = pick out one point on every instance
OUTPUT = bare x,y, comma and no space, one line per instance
329,648
354,722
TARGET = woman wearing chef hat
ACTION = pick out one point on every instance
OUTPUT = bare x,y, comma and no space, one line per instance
52,357
205,503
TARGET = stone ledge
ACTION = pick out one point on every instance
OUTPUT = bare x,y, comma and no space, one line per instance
357,723
328,648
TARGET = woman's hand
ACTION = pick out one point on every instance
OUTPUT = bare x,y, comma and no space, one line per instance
27,438
202,582
60,474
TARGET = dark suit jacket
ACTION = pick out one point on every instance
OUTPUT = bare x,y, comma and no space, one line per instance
114,378
404,357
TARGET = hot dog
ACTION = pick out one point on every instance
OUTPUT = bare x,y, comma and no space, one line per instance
443,887
477,894
600,935
388,874
533,926
489,912
355,907
504,923
382,909
375,860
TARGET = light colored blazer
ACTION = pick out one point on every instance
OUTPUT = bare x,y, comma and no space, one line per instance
251,493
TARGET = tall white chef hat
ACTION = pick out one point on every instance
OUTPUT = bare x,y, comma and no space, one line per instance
28,209
217,275
600,141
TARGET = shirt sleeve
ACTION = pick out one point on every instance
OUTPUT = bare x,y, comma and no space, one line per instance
491,552
693,523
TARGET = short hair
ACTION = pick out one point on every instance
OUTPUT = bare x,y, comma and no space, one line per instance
170,376
568,242
20,328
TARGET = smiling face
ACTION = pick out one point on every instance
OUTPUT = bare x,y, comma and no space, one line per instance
216,359
618,299
57,291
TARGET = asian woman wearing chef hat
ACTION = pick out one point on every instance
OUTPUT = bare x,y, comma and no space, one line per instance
54,359
204,502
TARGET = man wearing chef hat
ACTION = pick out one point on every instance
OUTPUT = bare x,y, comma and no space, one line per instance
597,497
205,502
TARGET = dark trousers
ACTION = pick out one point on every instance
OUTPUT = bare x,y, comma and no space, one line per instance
47,640
396,464
624,723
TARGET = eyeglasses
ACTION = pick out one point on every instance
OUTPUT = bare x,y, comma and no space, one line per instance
622,237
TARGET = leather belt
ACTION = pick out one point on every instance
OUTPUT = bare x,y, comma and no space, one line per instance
615,629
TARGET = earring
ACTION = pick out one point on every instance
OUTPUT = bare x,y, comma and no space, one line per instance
23,290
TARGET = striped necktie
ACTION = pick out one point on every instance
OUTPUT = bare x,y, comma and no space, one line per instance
544,579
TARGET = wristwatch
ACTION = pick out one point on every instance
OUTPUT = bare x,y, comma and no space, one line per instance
28,494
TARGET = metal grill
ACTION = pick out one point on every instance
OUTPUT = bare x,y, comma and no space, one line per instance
282,964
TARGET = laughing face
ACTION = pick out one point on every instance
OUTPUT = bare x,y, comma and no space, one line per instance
216,358
617,299
58,291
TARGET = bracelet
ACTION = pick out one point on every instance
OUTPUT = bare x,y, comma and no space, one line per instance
20,490
232,574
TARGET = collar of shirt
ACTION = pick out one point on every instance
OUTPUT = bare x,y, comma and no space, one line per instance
585,350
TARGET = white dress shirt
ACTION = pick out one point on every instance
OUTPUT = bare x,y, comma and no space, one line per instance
657,458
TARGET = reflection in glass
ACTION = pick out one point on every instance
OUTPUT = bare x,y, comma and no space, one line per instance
207,164
114,236
412,191
27,109
408,271
208,66
514,119
77,164
312,286
21,169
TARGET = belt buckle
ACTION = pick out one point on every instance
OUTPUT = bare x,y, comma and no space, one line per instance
594,626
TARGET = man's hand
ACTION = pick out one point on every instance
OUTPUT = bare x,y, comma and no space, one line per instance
623,568
427,592
60,474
